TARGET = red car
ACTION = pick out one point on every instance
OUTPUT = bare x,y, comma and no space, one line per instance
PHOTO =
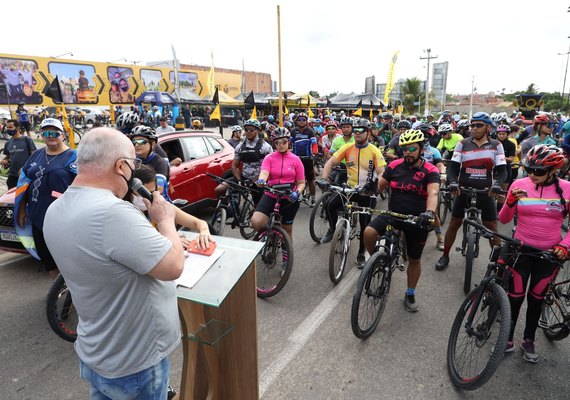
201,152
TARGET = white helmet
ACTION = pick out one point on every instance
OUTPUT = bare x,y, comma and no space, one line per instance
444,128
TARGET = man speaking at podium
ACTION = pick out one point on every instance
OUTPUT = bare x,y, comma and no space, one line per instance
119,270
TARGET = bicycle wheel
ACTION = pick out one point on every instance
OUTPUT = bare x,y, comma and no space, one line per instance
552,314
61,314
274,263
318,222
245,229
476,348
469,257
219,220
442,207
403,247
370,297
338,252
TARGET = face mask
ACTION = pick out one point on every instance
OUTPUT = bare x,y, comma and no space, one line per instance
11,132
139,203
129,195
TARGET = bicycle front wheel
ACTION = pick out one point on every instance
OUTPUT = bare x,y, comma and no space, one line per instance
339,251
318,222
274,263
219,220
245,229
370,297
478,337
61,314
469,257
442,207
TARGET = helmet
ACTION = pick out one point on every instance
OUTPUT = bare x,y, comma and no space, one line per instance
270,128
444,128
330,122
145,131
280,132
252,122
504,128
463,124
429,115
127,121
301,115
317,120
483,117
311,121
426,129
404,124
270,118
196,123
236,128
346,121
288,124
362,123
541,119
495,117
387,116
544,156
411,136
502,117
263,125
155,108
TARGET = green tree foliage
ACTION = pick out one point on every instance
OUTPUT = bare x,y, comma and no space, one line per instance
411,92
314,93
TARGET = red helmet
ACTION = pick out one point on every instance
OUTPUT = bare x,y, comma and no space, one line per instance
330,122
541,119
545,157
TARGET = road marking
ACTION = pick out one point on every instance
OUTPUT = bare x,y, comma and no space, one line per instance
300,336
14,259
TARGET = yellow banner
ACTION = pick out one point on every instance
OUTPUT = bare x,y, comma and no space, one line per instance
253,113
391,76
211,81
358,112
216,114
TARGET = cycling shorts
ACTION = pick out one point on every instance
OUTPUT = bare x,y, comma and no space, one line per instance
485,203
288,210
415,236
309,165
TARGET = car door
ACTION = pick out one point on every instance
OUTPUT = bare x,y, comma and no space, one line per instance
189,178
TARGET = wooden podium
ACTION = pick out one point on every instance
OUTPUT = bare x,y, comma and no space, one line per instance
219,326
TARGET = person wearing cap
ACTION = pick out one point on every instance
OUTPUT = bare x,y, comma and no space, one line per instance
163,126
17,150
47,174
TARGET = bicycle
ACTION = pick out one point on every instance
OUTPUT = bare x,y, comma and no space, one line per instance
272,275
444,203
346,229
475,349
555,315
373,285
470,242
61,314
238,203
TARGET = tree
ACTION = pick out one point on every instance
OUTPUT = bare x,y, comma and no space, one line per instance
531,89
314,93
411,92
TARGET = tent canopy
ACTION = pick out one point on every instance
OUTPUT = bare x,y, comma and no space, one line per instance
302,99
351,100
225,99
158,98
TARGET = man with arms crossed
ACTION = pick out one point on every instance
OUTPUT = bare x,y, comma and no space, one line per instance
119,270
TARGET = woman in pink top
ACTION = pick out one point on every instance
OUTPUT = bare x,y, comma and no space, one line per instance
280,167
541,203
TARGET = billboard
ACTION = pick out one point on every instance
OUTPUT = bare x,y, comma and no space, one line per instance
24,78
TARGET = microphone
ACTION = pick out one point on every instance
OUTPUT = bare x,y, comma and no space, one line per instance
138,187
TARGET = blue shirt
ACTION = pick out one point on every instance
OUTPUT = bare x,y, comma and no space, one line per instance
23,114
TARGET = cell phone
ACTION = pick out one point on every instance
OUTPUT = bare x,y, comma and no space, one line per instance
193,248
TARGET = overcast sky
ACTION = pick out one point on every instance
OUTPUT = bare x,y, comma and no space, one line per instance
326,45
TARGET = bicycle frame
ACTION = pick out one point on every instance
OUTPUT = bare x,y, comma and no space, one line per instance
473,214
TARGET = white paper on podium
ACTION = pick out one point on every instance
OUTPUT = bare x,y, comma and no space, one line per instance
195,266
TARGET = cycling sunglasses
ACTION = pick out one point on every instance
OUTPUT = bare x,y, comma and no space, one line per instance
477,125
140,142
536,171
359,130
410,149
51,134
281,141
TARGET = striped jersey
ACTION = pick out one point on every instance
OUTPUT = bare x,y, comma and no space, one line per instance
477,162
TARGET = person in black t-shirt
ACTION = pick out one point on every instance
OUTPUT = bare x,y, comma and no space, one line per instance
17,150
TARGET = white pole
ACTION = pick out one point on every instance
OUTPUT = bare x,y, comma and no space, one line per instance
471,97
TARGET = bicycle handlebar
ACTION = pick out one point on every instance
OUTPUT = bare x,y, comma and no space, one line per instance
412,219
234,185
524,248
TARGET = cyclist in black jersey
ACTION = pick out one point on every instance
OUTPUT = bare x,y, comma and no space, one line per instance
144,139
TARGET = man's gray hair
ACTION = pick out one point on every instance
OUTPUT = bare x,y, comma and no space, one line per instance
100,148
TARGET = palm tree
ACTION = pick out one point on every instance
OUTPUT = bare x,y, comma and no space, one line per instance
411,92
531,89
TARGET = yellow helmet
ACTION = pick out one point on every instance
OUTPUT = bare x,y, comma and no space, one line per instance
411,136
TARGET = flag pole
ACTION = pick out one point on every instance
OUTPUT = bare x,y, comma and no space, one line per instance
279,63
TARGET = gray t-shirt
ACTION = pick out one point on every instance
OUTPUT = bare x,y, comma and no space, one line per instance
105,247
251,170
19,150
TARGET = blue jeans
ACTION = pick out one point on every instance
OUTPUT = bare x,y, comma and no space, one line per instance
148,384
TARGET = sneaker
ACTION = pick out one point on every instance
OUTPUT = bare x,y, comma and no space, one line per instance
410,303
171,393
312,203
440,245
529,355
328,237
360,260
442,263
510,346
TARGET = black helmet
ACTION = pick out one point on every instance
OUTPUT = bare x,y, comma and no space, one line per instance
362,123
127,121
145,131
404,124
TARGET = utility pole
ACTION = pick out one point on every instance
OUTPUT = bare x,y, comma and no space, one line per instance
471,97
429,57
565,72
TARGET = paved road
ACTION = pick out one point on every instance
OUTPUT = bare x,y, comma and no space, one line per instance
306,346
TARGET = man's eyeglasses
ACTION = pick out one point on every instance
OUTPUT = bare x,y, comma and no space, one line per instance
51,134
281,141
409,149
359,130
137,162
536,171
477,125
140,142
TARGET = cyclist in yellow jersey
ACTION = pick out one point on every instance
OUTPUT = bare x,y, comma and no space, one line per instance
448,140
364,164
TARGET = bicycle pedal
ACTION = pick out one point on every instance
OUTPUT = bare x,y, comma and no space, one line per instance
458,249
401,267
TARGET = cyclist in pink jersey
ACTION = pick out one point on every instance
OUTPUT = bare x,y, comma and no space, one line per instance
541,203
280,167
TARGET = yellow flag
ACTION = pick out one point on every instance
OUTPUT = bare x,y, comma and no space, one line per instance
286,110
310,113
391,76
67,127
358,112
216,114
253,113
371,116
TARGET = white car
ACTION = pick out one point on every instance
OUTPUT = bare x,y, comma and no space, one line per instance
4,113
